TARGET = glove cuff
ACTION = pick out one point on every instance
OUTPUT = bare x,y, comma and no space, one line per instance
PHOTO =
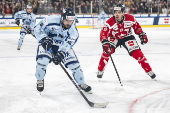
63,54
142,34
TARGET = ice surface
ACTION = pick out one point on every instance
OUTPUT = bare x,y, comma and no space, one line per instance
18,92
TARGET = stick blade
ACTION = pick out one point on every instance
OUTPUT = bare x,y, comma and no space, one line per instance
98,105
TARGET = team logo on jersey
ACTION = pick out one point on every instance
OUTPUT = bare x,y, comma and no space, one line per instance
54,28
24,15
115,26
127,24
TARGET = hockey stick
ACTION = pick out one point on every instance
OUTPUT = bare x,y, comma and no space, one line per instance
113,65
91,104
27,31
116,70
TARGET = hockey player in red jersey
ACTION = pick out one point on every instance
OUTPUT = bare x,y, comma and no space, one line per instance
117,31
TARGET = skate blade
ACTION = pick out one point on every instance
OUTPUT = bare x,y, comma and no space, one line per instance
90,92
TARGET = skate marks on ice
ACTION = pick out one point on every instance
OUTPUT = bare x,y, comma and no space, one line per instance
142,96
157,101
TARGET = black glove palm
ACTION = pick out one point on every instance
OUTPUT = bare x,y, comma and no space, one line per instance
29,30
59,57
17,21
46,43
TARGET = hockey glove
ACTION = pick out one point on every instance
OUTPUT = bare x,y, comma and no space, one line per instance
59,57
29,30
143,38
46,43
17,21
106,45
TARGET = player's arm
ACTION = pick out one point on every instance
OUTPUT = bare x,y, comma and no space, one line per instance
138,30
70,40
17,17
104,35
33,21
30,29
41,30
41,34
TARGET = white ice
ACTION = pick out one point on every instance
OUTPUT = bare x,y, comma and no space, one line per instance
141,94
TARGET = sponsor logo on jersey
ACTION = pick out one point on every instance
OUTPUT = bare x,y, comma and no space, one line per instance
133,48
127,24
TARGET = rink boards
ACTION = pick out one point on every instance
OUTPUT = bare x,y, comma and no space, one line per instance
90,21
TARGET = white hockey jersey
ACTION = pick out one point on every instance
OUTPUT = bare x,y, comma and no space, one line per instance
51,26
28,20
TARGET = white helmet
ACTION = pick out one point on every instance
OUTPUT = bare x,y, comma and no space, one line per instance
29,6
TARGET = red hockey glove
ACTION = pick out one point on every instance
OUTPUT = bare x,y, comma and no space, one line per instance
106,45
143,38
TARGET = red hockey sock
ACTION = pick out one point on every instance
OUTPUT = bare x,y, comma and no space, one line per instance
138,55
103,61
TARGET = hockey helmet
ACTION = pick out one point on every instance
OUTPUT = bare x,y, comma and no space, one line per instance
119,7
29,7
68,14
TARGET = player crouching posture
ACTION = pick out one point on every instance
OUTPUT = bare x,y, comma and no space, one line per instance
58,34
28,23
116,32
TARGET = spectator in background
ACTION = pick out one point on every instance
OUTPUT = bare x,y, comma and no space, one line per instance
83,8
88,7
141,8
45,8
127,10
155,8
51,9
8,10
77,8
34,8
18,7
40,9
1,7
56,9
71,4
106,10
164,10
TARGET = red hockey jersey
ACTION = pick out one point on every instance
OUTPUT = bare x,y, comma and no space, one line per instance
120,30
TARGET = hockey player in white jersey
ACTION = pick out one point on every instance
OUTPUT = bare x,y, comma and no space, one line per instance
59,34
28,23
101,19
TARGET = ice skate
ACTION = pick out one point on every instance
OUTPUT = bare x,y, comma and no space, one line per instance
151,74
85,88
100,74
40,85
19,47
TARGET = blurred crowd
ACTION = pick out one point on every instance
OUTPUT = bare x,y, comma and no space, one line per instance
85,6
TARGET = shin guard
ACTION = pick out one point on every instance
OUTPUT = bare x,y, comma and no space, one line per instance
139,56
104,60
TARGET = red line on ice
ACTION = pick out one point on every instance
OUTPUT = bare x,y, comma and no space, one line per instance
139,99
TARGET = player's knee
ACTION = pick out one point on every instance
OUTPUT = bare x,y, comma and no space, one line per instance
74,66
137,54
22,35
43,62
77,72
